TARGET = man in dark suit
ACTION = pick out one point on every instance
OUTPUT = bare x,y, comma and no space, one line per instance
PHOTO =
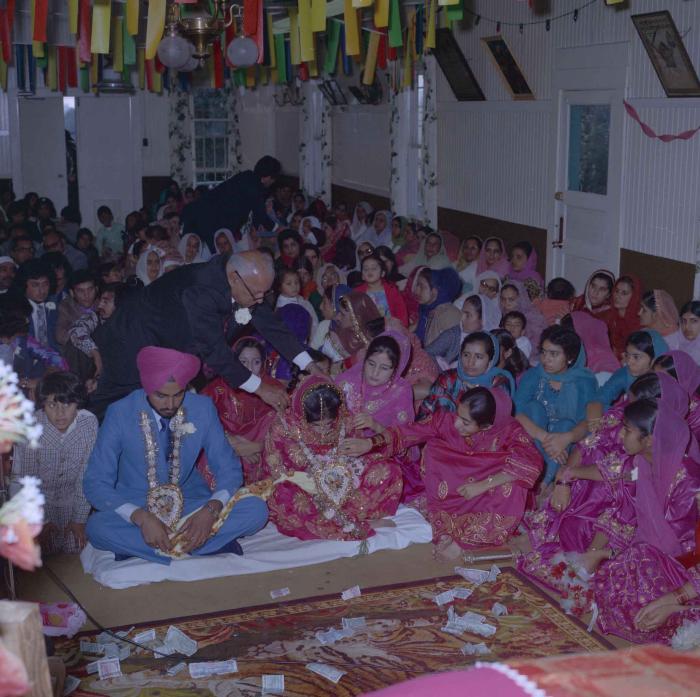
34,281
187,310
229,204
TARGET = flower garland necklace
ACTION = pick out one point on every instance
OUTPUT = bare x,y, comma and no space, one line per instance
165,501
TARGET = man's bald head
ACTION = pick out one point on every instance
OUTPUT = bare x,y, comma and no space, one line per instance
250,276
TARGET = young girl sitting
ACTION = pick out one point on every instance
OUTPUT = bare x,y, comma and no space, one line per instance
288,285
69,434
514,323
386,295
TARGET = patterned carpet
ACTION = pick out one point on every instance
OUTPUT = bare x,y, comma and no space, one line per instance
403,639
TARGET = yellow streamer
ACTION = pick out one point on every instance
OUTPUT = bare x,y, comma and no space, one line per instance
93,75
154,27
37,46
73,16
3,74
371,60
101,26
132,16
381,13
352,32
430,35
318,15
294,48
250,76
118,44
361,3
306,35
52,69
444,3
141,66
313,68
273,53
158,80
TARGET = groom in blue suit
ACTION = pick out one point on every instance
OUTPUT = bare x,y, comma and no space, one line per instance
141,477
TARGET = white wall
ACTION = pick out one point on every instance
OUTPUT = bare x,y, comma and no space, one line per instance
286,129
155,111
494,157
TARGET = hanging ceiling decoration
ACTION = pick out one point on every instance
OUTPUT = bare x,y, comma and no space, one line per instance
191,30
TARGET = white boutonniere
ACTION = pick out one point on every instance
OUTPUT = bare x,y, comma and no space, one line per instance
242,316
50,306
188,428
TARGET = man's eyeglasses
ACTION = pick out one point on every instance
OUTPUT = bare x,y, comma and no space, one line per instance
259,296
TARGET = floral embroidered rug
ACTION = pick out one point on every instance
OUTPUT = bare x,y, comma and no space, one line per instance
403,639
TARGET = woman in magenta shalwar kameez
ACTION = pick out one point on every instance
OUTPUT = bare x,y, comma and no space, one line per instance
478,467
682,367
644,594
379,398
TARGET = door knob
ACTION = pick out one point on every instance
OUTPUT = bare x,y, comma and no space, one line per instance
559,196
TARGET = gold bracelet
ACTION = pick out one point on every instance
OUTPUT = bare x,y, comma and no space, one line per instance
377,440
681,596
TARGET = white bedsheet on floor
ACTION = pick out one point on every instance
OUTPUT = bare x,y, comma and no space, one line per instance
266,551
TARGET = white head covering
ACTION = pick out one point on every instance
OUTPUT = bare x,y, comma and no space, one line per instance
202,255
314,223
322,270
228,235
357,227
142,264
7,260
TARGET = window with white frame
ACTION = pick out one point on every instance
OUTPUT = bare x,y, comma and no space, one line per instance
210,136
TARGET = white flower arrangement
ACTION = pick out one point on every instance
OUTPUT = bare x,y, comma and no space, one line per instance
243,315
50,305
188,428
27,504
17,421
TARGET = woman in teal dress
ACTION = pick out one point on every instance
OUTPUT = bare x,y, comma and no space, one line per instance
552,397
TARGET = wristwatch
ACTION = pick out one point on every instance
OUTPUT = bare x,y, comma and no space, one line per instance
212,509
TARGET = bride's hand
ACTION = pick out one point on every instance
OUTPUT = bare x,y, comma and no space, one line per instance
355,447
361,421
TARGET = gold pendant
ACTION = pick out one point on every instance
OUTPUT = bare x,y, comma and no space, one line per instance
166,503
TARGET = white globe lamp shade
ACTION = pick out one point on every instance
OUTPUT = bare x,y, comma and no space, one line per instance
242,52
192,64
174,51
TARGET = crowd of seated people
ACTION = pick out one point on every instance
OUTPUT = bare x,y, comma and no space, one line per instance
508,410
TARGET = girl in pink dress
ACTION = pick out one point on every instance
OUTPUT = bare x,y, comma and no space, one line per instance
379,397
682,367
351,493
478,467
644,594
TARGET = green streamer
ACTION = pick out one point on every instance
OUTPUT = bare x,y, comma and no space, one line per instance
455,13
85,78
281,62
129,47
395,33
332,42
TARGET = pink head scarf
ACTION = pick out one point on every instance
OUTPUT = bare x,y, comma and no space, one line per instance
158,366
667,317
501,267
687,371
594,334
528,271
672,438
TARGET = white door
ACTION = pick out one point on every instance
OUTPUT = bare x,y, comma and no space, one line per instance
109,156
43,148
587,199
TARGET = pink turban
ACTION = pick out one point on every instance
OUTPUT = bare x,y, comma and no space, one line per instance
160,365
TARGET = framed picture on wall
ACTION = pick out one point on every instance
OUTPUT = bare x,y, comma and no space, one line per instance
664,44
455,67
508,67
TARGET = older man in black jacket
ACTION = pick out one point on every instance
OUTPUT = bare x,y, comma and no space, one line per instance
230,204
188,309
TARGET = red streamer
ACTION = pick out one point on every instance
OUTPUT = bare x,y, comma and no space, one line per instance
84,17
651,133
41,16
5,37
303,72
381,51
71,66
218,57
62,67
251,16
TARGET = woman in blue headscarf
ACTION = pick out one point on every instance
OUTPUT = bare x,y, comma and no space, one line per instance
641,350
477,367
434,288
552,397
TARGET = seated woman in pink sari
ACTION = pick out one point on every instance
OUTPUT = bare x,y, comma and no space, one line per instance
244,416
478,466
591,506
352,494
644,594
680,366
379,397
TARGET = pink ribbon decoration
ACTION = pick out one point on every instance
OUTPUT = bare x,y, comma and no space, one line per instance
651,133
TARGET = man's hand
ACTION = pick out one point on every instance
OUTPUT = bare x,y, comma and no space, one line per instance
362,421
154,531
196,530
276,397
78,532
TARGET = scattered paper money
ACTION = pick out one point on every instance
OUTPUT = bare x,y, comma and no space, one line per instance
475,649
163,650
91,647
109,668
279,593
444,598
494,573
174,670
117,651
478,576
145,637
354,624
330,636
70,685
350,593
326,671
179,641
209,668
91,667
471,622
497,610
461,593
272,684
